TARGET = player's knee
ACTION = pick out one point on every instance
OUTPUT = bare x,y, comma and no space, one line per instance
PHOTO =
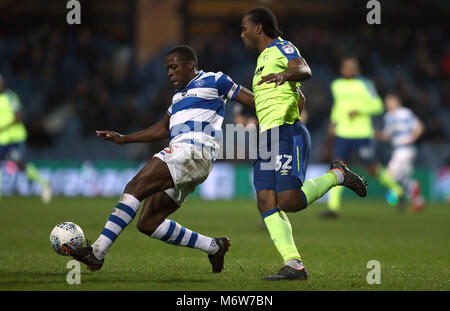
132,185
265,203
146,227
291,202
136,187
291,206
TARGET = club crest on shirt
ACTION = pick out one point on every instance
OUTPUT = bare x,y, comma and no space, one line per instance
288,49
199,83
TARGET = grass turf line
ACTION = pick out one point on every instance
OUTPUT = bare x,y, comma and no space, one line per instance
413,249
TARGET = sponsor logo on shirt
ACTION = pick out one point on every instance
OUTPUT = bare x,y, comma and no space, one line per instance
186,94
259,70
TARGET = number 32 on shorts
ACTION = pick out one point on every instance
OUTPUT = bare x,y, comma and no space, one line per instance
284,167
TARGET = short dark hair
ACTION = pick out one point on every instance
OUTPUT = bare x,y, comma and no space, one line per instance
394,93
267,19
185,52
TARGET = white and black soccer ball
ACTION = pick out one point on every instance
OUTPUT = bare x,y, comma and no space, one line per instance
66,232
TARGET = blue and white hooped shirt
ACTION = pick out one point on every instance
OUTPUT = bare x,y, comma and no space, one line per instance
197,111
399,124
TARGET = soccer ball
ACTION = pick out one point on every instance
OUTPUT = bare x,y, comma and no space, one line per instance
66,232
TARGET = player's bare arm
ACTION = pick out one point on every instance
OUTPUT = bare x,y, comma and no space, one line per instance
331,129
298,70
382,135
156,132
301,100
245,97
417,131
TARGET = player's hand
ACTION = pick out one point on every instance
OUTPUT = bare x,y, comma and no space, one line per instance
353,114
379,135
302,98
331,129
277,78
111,136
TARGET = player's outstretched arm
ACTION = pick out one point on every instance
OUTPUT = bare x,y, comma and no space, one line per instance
298,70
245,97
111,136
156,132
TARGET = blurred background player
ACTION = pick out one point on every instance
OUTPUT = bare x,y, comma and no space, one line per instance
402,129
355,102
13,135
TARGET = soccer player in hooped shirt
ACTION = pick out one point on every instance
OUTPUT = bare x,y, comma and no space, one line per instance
172,174
402,129
282,188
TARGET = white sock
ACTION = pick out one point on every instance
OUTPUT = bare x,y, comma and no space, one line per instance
173,233
339,174
120,217
296,264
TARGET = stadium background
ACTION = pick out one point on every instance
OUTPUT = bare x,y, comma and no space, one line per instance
108,73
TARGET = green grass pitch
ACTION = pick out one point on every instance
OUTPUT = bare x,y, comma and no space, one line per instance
412,249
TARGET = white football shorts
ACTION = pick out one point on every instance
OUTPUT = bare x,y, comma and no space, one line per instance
401,164
189,166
